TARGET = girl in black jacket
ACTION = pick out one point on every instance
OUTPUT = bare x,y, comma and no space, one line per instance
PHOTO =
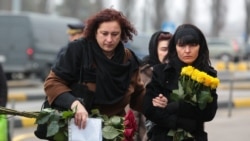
187,47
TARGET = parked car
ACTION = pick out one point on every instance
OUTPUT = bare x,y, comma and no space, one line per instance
225,49
29,42
139,45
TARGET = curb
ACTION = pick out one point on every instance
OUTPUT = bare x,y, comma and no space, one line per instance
24,97
235,85
21,122
235,103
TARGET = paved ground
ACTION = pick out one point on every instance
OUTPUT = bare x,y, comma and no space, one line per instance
234,128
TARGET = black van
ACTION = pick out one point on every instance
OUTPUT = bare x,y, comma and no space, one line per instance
29,42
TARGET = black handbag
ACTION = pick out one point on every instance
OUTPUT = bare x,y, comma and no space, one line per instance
78,90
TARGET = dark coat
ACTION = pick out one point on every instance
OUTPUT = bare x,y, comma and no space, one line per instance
176,114
66,71
3,88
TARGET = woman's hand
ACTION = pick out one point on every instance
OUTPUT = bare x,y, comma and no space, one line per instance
160,101
81,114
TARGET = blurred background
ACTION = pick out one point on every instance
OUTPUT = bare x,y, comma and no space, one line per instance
29,47
225,23
228,18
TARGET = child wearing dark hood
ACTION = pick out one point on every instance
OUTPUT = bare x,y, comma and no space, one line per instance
158,49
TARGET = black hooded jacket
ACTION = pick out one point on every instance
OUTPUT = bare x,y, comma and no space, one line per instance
152,58
177,114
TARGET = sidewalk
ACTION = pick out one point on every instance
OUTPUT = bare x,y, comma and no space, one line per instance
234,128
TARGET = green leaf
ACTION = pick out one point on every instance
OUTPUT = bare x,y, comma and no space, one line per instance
180,90
52,128
43,118
67,114
174,96
95,113
110,133
204,98
171,132
60,136
62,123
116,121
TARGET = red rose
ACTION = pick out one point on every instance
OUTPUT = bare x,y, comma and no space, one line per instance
128,134
130,121
130,126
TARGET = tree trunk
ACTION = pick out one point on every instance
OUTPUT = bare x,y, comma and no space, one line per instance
218,16
247,2
188,13
161,15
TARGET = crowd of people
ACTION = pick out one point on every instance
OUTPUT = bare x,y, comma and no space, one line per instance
96,57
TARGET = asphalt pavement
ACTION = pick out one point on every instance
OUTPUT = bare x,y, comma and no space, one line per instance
229,128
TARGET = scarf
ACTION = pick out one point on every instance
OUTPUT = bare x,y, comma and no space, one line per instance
112,76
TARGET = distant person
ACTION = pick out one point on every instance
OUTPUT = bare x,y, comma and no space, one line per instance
3,88
3,98
75,31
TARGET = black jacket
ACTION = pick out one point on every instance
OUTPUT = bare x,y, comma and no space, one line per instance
3,88
176,114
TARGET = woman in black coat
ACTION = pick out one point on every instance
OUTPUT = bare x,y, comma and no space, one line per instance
187,47
3,88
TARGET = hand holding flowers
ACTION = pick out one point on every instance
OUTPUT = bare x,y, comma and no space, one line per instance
194,87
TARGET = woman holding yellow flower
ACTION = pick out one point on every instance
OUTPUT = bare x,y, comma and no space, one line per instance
189,82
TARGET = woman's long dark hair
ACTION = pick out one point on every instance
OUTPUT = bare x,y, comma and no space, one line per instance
190,34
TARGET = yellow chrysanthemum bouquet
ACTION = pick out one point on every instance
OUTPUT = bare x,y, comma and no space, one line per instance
194,87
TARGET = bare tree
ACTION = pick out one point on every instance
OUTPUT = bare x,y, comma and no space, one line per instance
127,7
27,5
96,6
81,9
43,6
160,15
247,2
219,11
5,5
72,8
188,13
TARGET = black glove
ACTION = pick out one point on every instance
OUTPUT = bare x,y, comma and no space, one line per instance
169,122
188,110
186,124
172,107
